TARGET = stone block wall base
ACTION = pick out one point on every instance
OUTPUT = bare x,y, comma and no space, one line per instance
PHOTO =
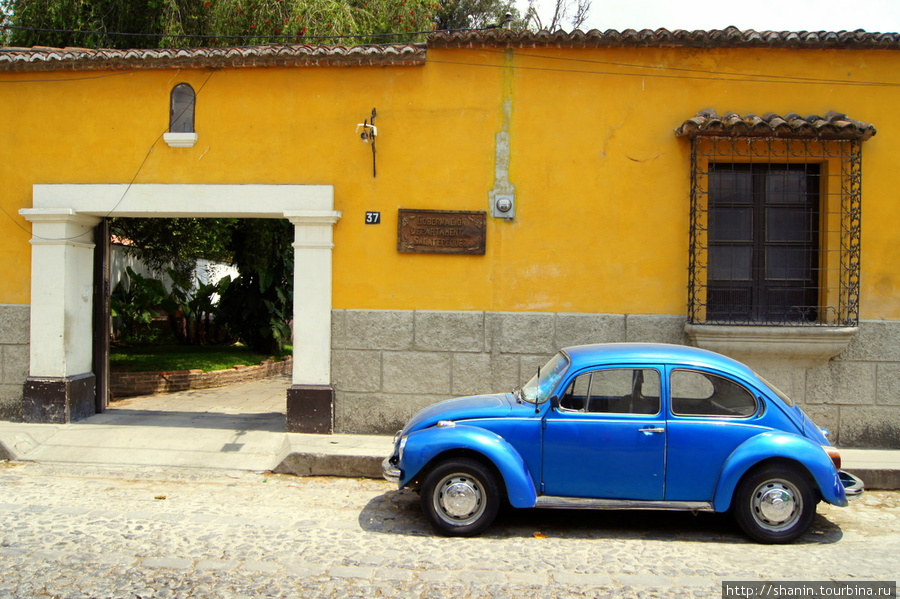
310,409
59,400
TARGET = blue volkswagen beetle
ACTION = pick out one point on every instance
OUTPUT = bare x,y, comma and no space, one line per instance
624,426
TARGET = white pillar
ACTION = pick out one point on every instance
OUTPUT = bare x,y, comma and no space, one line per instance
62,254
313,245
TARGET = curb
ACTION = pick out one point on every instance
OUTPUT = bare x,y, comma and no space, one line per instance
353,456
303,463
6,453
320,464
877,478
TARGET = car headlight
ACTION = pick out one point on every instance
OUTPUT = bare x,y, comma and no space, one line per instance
402,446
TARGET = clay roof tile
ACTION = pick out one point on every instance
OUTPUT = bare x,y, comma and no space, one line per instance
834,125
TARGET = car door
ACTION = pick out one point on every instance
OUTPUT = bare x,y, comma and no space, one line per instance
605,437
710,415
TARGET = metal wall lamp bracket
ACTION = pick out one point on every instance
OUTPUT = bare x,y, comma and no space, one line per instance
367,132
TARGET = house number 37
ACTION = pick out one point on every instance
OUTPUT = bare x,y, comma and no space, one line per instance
373,218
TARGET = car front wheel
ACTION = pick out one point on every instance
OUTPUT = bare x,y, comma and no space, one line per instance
460,497
774,504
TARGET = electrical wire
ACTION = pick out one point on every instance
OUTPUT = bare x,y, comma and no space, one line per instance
731,76
127,188
670,73
283,36
715,76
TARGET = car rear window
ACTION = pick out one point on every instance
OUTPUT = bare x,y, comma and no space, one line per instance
696,393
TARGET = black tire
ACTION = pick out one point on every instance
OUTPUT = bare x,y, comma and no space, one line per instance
460,497
774,504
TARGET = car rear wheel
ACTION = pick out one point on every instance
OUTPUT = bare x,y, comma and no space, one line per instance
460,497
774,504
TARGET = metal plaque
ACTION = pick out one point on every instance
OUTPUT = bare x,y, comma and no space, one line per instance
441,231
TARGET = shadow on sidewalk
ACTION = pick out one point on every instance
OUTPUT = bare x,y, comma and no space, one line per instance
273,422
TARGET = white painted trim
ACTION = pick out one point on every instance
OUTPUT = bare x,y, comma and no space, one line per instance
180,140
62,250
795,346
313,229
198,201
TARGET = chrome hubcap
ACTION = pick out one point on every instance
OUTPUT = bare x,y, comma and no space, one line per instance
459,499
776,505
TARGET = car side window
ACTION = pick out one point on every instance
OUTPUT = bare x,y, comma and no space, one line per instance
704,394
614,391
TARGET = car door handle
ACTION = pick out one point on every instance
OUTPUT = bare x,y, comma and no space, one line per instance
651,430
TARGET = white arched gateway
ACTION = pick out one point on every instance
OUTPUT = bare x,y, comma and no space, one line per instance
61,385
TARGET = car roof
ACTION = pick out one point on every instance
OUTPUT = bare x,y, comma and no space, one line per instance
583,356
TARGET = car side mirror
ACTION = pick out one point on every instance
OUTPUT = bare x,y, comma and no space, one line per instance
554,402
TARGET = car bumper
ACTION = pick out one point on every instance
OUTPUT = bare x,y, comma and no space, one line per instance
390,472
853,485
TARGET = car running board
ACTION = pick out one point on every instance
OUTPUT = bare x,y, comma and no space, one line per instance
582,503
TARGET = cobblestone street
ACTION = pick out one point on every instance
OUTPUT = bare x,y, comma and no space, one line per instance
87,531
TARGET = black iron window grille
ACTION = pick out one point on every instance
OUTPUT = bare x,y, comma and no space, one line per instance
775,229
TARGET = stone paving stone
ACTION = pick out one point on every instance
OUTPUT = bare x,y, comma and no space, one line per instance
72,511
573,578
527,578
305,570
335,538
398,574
351,572
255,566
216,564
168,563
649,580
435,576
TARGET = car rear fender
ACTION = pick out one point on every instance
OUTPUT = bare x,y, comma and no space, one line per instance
425,446
783,447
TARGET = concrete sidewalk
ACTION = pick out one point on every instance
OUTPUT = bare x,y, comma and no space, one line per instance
241,427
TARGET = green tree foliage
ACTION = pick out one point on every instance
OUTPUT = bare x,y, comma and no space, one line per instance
367,21
194,23
100,16
173,246
477,14
258,305
134,303
163,23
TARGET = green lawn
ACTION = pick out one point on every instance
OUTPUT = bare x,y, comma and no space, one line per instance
154,358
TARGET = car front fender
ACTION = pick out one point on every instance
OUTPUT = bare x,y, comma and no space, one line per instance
781,446
423,446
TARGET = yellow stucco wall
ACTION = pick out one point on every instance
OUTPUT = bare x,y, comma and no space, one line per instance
602,184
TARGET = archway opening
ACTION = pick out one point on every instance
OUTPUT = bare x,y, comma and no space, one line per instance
62,382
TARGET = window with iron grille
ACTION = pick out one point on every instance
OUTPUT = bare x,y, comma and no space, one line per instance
775,220
763,242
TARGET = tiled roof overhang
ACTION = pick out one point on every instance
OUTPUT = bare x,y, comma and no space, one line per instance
731,37
80,59
833,125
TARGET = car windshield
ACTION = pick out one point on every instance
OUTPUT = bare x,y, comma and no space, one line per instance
784,397
542,384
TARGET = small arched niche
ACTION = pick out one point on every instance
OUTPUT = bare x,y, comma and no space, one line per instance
182,102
